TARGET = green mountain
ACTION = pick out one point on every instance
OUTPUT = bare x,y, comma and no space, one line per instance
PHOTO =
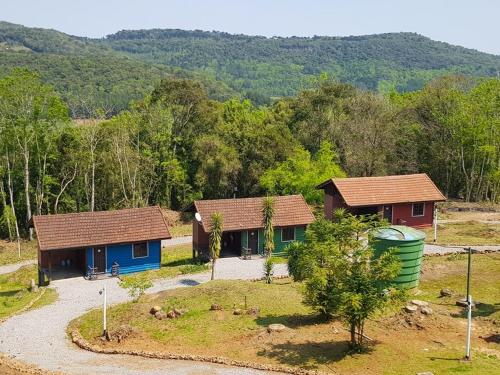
127,64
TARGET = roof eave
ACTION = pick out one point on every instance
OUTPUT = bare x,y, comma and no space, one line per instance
84,246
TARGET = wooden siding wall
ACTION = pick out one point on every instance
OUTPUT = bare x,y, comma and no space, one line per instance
123,255
332,201
401,215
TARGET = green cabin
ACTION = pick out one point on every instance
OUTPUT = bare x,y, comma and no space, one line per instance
243,226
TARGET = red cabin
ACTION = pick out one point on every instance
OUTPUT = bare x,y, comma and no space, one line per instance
404,200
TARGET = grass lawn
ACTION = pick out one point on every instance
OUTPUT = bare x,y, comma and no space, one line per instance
14,293
466,233
9,253
175,260
181,230
436,344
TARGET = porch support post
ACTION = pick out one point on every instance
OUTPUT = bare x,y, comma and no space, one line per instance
50,266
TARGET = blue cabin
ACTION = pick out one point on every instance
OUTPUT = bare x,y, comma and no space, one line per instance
102,242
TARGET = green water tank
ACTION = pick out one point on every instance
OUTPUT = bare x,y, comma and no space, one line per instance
409,243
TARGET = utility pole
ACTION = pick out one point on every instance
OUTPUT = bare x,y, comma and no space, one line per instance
469,307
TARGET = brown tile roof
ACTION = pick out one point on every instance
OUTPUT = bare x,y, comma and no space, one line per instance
85,229
369,191
246,213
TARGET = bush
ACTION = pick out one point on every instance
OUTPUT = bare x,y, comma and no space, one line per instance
136,287
269,270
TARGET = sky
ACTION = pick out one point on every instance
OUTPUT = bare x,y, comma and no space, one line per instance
473,24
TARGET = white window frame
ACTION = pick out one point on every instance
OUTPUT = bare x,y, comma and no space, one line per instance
147,250
294,235
413,209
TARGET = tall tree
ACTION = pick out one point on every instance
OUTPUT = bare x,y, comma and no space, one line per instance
26,106
268,210
342,279
216,228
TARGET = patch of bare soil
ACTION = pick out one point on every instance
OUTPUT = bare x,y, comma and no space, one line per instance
9,366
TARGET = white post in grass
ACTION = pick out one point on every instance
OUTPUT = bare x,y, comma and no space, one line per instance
435,223
104,302
469,306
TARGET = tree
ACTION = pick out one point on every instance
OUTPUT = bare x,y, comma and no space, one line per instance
216,229
301,173
28,108
268,210
342,278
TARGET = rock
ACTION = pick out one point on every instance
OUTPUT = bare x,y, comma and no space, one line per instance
411,308
171,314
160,315
183,311
425,373
154,310
33,286
426,310
253,311
237,312
276,327
463,303
215,306
419,303
446,292
177,312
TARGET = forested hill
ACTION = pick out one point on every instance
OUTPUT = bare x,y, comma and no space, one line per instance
127,64
280,66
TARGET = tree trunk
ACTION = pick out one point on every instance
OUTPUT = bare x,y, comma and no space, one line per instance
353,335
12,206
26,157
4,203
213,269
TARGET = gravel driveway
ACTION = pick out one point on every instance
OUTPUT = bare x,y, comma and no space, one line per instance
38,336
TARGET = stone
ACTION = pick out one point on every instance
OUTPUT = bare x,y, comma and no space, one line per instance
253,311
419,303
171,314
183,311
154,309
425,373
426,310
276,327
446,292
160,315
237,312
177,312
463,303
215,306
411,308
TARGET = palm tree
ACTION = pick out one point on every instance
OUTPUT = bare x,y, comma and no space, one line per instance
267,218
215,238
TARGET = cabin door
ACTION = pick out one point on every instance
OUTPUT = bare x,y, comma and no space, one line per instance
253,240
388,213
100,259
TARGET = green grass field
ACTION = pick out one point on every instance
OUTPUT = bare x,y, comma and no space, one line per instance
312,342
14,292
9,253
465,233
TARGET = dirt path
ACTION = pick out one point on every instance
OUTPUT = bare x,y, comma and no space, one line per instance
39,336
8,268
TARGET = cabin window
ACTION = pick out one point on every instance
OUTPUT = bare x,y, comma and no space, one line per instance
417,209
140,250
288,234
